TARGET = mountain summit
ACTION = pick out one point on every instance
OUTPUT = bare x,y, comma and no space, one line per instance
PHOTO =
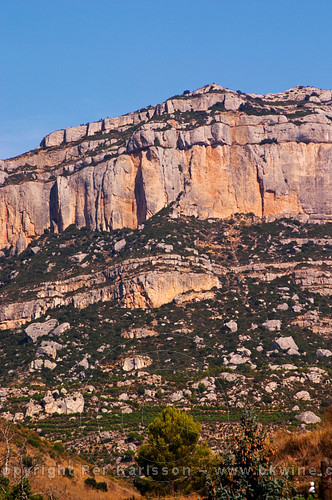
212,153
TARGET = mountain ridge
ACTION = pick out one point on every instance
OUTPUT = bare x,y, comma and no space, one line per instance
214,152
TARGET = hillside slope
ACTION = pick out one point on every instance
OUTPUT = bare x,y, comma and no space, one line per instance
103,329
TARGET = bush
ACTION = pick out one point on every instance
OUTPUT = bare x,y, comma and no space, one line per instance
201,388
59,447
252,110
102,486
35,441
92,483
245,474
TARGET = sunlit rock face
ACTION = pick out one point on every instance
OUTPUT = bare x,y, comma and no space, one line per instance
212,152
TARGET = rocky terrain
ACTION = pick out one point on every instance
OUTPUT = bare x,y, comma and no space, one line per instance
100,330
177,255
214,152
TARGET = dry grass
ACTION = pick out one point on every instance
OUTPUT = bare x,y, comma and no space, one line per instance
74,488
305,448
46,469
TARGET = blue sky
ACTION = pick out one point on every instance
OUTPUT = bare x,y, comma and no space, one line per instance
67,62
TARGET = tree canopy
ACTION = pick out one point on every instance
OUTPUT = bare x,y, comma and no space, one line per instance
172,461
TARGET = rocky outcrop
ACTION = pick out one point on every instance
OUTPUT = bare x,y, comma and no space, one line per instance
143,288
139,333
36,330
286,344
71,404
135,363
317,279
213,152
308,417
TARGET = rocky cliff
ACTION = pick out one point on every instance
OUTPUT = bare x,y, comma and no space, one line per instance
213,152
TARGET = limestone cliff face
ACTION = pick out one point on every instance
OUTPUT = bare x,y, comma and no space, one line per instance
213,152
127,284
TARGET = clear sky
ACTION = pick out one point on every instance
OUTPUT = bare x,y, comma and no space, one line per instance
67,62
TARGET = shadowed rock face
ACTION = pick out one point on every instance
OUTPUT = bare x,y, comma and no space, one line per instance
213,152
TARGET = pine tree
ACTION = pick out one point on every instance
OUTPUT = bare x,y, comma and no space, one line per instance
172,460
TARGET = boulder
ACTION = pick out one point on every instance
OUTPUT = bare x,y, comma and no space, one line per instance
49,364
238,359
209,383
164,246
79,257
36,330
123,397
314,377
73,403
7,416
271,386
18,417
176,396
323,353
135,363
283,307
303,395
272,325
211,396
119,245
37,364
308,417
33,409
229,377
244,351
84,363
59,330
49,348
232,326
293,352
285,344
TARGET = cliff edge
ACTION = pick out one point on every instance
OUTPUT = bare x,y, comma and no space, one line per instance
213,152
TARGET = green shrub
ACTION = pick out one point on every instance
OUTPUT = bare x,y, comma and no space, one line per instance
201,388
248,109
35,441
92,483
102,486
59,447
